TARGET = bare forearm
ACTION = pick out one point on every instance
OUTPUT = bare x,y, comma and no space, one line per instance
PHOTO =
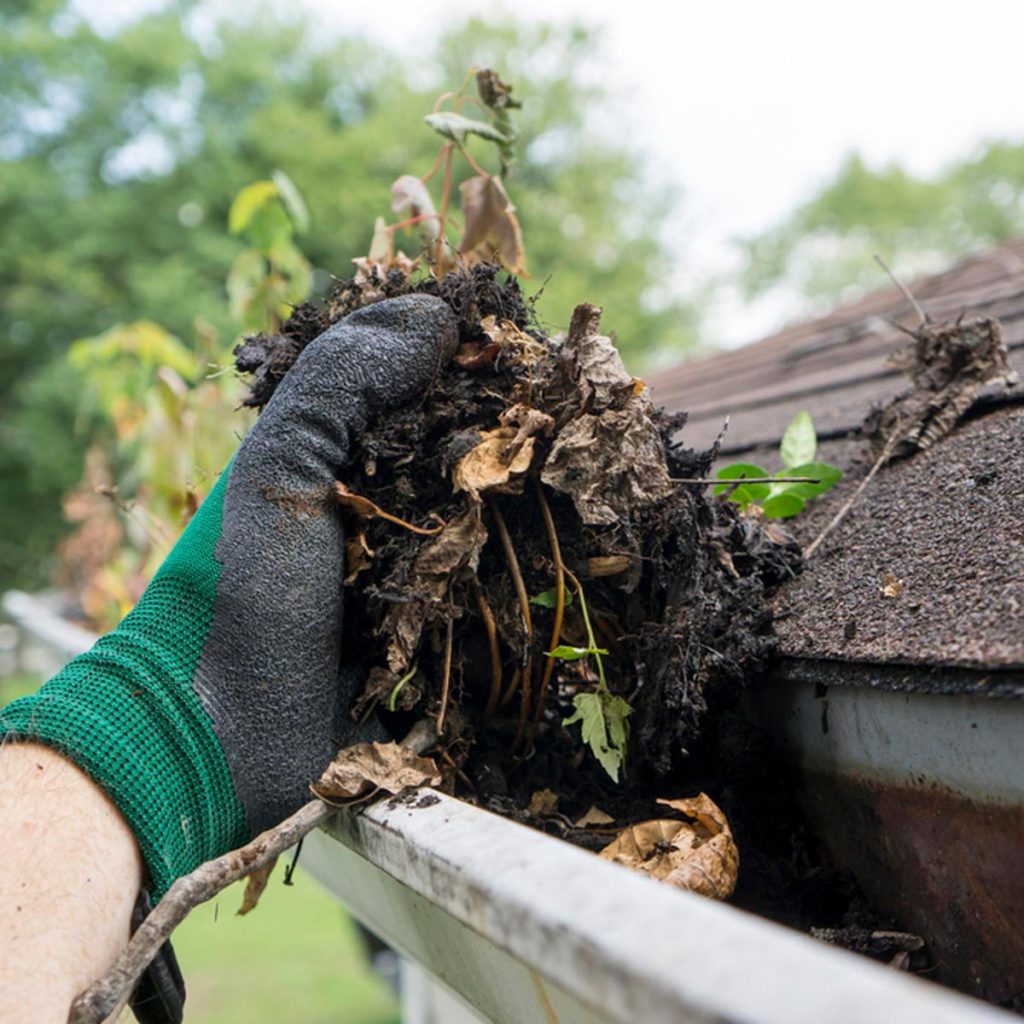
71,875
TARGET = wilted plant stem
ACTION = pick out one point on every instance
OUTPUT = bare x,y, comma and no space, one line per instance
556,629
492,641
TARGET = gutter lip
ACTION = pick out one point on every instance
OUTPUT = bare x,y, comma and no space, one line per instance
621,944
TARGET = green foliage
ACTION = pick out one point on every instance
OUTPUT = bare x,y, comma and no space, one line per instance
549,598
121,153
784,499
824,248
602,718
600,713
457,127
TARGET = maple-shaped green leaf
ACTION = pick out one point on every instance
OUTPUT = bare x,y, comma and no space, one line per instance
602,717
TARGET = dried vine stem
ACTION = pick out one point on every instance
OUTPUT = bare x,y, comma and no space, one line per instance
103,997
492,641
556,629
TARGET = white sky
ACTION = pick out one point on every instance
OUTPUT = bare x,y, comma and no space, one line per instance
750,104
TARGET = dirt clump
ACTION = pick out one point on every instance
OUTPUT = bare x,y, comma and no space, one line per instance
521,553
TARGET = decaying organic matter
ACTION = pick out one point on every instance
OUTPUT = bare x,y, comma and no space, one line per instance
532,485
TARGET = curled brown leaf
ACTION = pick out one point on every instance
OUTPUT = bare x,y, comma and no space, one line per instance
492,230
364,769
700,855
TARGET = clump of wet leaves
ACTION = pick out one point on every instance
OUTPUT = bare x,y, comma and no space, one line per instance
525,569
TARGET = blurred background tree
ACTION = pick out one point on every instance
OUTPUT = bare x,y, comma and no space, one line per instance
824,249
121,154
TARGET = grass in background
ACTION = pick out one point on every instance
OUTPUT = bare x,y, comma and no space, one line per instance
296,957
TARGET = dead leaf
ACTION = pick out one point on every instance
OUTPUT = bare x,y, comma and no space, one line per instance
364,768
594,816
503,455
358,557
455,550
410,193
608,565
543,802
475,355
891,587
948,364
255,882
611,465
700,857
492,229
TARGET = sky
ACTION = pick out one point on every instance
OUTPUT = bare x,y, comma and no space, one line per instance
750,105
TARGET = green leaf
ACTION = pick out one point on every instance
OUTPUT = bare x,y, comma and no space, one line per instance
269,228
602,718
548,599
828,476
293,201
248,202
566,653
745,494
782,506
456,127
799,442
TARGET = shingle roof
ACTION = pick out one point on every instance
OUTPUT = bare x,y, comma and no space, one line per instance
947,523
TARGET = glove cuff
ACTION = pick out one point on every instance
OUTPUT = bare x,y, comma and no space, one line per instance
125,712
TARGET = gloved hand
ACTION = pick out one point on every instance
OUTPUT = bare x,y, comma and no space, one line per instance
216,702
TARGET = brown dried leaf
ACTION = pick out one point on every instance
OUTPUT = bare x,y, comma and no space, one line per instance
594,816
410,193
503,455
255,883
354,502
364,768
492,230
891,587
358,557
473,355
543,802
455,549
701,857
608,565
611,465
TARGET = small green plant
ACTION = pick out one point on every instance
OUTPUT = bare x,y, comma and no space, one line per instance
799,481
601,714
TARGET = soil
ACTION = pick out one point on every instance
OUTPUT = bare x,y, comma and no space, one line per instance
677,585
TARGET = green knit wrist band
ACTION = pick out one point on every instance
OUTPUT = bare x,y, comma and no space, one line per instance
126,713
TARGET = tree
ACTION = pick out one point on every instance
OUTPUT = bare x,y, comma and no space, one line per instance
824,248
121,154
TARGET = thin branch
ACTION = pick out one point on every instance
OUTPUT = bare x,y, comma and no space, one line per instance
491,628
852,500
746,480
907,294
103,997
446,679
556,629
370,510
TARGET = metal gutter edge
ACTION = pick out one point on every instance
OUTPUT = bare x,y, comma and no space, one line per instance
525,927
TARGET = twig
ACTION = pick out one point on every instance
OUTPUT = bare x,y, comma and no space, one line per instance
842,513
100,999
446,679
492,640
556,629
524,607
746,480
368,509
907,294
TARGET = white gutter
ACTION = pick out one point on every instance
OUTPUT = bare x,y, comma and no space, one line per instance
527,928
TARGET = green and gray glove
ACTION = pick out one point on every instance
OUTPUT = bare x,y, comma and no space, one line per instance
216,702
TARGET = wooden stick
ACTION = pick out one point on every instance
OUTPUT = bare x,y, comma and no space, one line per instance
103,997
746,480
556,629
